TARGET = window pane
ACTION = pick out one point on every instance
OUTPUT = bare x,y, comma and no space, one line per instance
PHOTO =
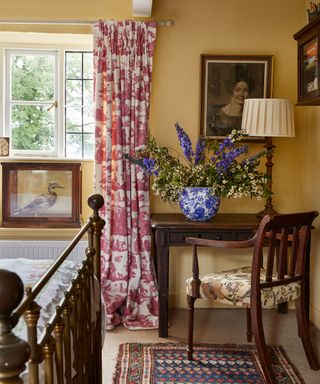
73,119
32,77
87,65
88,146
73,65
32,128
74,145
79,104
87,92
74,92
88,119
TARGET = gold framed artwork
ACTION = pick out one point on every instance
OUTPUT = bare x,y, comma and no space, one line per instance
226,81
41,195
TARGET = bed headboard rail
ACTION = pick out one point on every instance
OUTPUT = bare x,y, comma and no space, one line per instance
73,314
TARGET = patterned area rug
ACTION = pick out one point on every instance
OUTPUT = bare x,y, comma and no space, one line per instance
167,363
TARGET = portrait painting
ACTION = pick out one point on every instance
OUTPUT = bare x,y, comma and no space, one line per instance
226,81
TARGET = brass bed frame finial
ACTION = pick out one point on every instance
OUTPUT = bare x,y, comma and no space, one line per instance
14,352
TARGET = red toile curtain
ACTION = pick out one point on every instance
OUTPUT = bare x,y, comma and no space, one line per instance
123,52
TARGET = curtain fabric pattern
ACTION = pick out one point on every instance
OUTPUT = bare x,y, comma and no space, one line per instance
123,57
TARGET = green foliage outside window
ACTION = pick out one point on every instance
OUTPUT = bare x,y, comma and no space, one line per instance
32,92
33,77
32,128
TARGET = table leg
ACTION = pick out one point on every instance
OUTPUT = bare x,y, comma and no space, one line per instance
307,289
154,252
163,283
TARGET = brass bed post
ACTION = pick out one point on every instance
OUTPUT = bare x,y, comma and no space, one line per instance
14,352
96,203
67,341
74,329
48,352
58,331
87,324
89,282
31,317
79,338
84,330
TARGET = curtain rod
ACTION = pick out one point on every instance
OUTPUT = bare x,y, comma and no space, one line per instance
162,23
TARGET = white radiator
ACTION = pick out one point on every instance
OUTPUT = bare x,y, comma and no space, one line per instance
39,249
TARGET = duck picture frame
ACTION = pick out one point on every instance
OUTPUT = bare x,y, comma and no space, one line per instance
41,195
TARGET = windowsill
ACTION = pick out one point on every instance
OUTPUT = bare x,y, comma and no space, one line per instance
38,233
43,159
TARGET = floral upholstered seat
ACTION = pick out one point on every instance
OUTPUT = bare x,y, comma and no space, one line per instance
234,287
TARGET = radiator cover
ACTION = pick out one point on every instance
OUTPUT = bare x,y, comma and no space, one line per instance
40,249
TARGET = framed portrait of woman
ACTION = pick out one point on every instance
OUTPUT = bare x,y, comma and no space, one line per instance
226,81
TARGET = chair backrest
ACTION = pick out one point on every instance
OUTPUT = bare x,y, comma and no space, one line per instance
282,246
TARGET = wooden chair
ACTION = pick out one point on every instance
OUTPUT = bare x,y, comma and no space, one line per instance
278,273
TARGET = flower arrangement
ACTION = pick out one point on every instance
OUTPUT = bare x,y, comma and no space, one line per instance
224,166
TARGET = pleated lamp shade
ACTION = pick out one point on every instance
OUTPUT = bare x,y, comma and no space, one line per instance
268,118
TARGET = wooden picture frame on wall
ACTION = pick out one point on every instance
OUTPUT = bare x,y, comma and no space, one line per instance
226,80
43,195
308,41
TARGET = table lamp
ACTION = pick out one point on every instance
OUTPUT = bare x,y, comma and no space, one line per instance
268,118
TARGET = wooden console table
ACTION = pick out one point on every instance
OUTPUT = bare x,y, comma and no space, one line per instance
171,229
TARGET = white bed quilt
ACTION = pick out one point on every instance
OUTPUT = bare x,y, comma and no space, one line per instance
30,271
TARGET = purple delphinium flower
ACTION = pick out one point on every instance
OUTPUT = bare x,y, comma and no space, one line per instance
227,159
149,165
200,147
185,142
250,160
226,143
253,160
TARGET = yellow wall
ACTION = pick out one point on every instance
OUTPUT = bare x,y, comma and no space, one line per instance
309,178
217,27
63,10
230,27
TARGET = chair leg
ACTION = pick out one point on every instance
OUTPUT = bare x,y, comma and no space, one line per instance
191,301
263,354
249,326
304,333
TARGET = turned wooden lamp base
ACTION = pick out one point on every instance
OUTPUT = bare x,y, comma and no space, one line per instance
268,209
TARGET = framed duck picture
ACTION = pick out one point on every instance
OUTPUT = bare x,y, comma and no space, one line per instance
41,195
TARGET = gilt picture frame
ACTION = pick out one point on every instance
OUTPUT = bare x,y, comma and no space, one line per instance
226,80
43,195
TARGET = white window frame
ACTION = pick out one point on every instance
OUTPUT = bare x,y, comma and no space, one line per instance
9,102
59,43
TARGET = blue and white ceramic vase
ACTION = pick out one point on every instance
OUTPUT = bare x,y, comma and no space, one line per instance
198,203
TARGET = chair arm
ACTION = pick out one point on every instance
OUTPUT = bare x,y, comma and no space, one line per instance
221,243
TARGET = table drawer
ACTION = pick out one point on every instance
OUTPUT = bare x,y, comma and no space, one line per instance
244,235
179,237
